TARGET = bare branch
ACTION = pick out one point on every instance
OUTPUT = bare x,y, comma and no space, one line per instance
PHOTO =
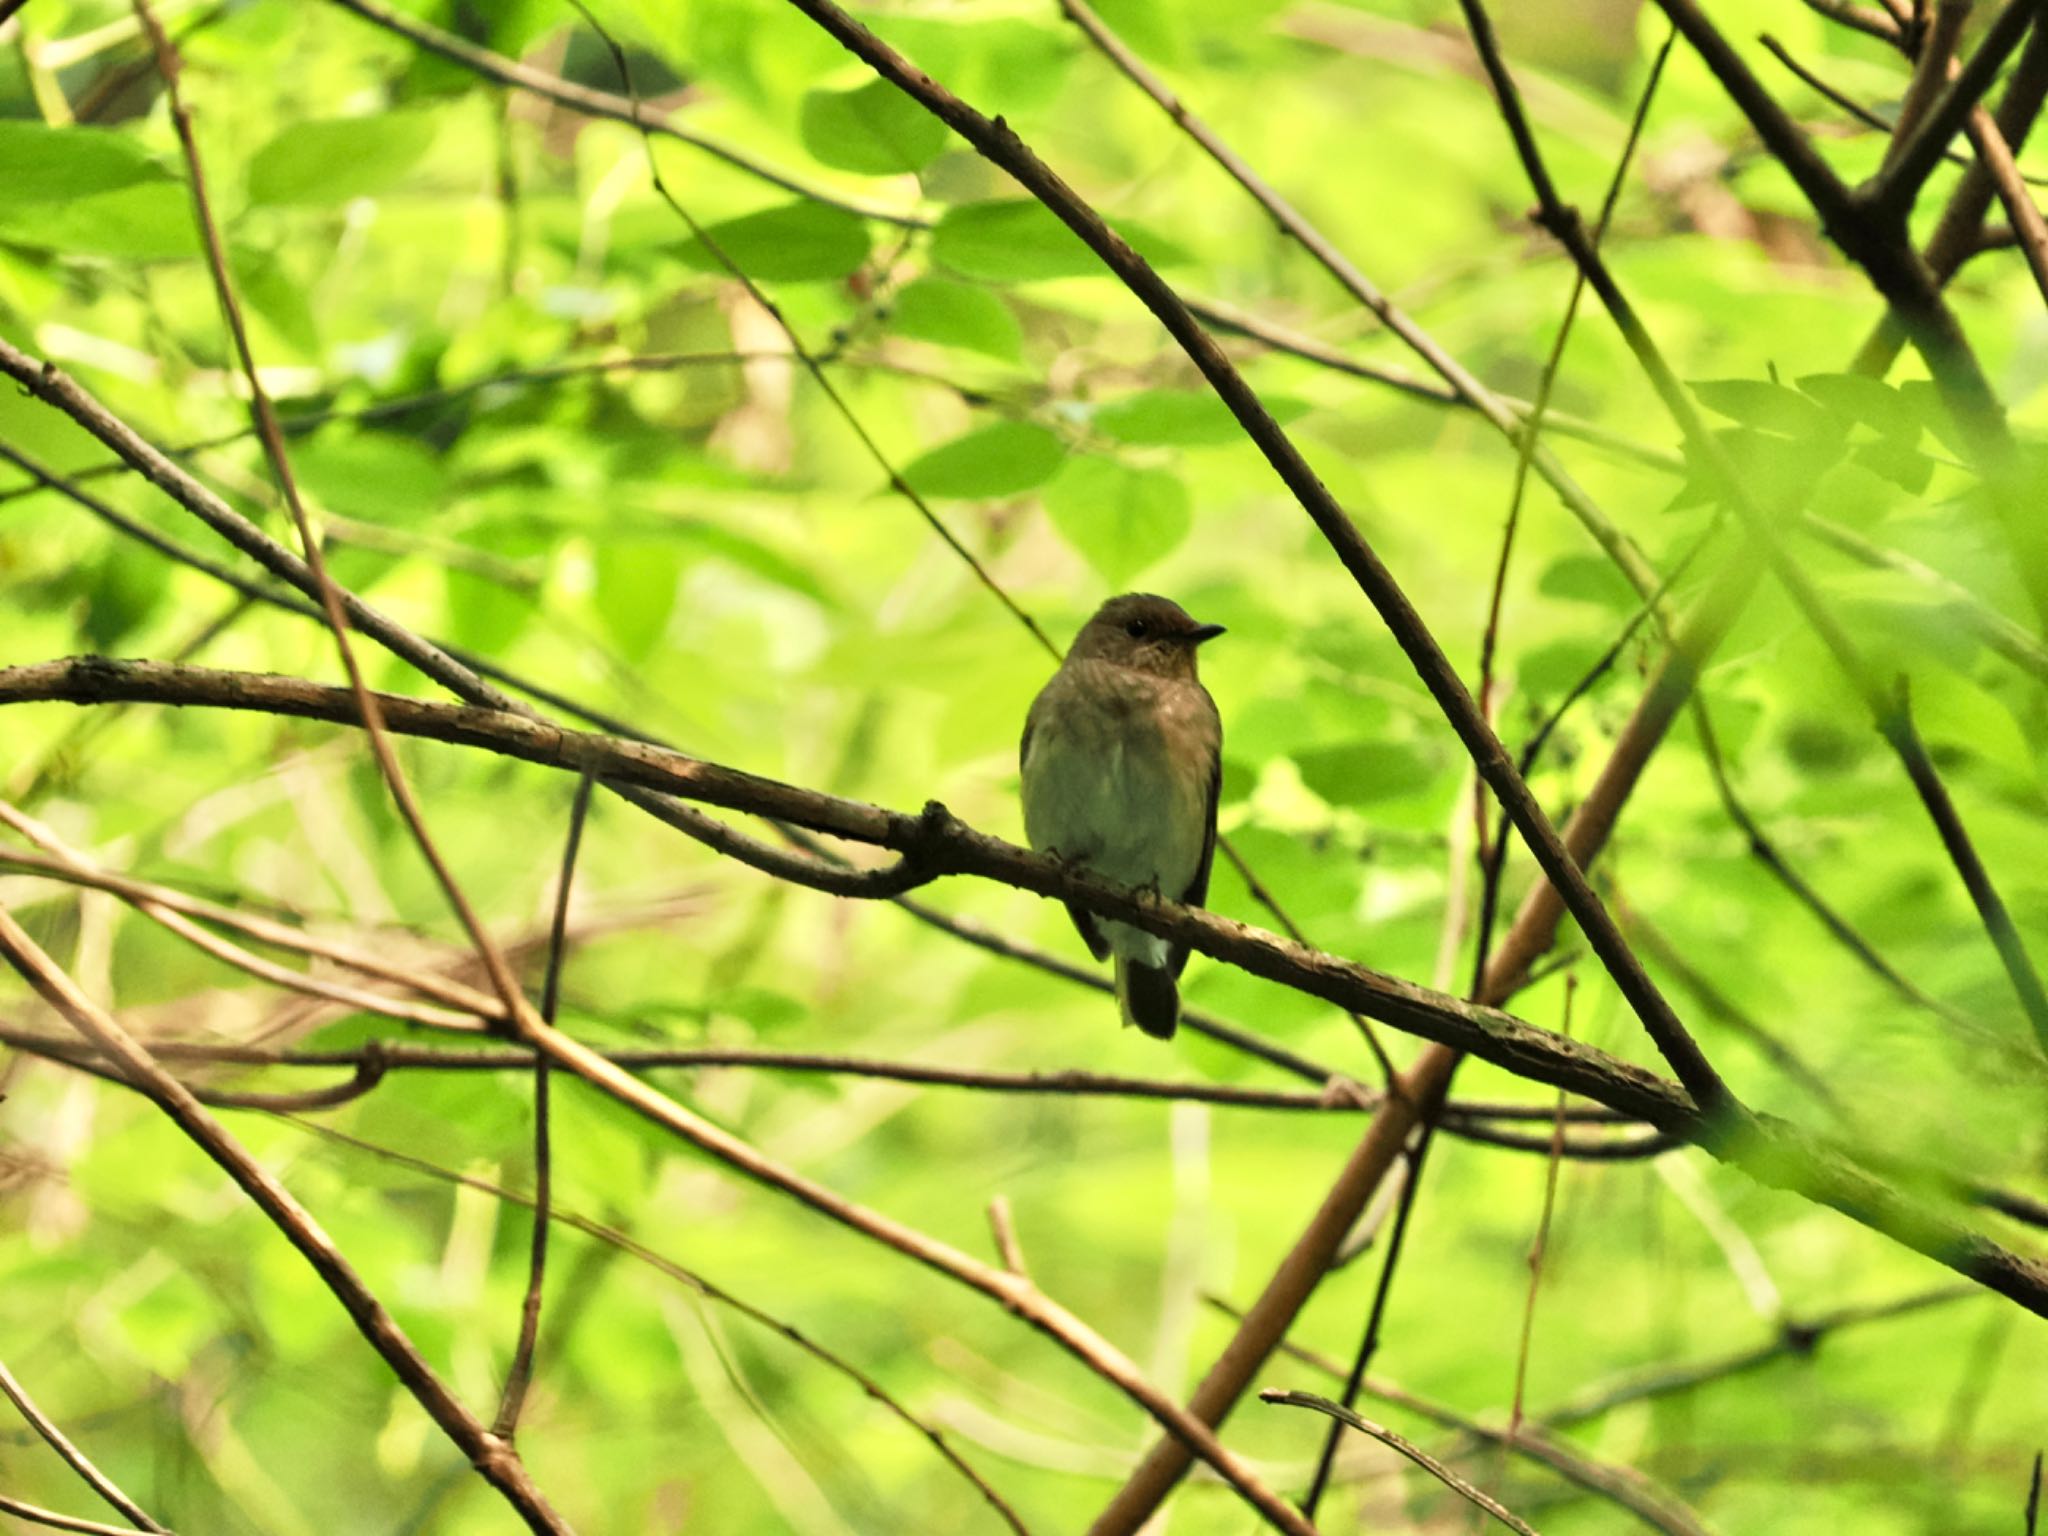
76,1459
496,1461
1407,1448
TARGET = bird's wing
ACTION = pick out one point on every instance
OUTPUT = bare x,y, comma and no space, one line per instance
1084,921
1198,888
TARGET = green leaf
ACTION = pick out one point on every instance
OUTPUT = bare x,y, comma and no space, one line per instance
45,164
1856,397
1013,241
1118,519
275,294
1360,772
956,315
483,615
324,162
1587,579
1761,404
125,590
150,221
375,477
636,592
998,460
1896,460
874,129
795,243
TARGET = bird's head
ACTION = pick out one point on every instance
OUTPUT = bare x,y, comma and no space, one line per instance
1145,633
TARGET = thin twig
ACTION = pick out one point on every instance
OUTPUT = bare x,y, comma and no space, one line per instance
711,1291
1003,1227
1615,543
1540,1245
74,1458
593,103
21,1509
519,1375
1405,1447
1889,709
1930,73
496,1461
1891,192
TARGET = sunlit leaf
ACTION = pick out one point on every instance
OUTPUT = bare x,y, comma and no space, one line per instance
795,243
1118,518
323,162
997,460
874,129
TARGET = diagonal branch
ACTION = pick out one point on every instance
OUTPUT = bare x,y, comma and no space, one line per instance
595,103
999,144
73,1457
1889,709
1890,194
497,1462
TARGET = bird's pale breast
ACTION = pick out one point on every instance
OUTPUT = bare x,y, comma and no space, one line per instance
1101,785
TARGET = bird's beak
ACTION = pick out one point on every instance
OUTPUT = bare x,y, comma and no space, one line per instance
1203,632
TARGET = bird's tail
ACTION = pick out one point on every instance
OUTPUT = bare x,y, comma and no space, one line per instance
1147,997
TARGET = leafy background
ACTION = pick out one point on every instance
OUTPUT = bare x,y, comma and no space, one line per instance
704,549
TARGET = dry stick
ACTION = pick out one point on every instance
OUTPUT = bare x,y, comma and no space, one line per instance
519,1375
1766,853
1801,1340
467,1008
502,981
615,1238
1624,1486
1616,544
1001,146
1930,73
603,104
1890,711
1540,1245
1530,935
935,843
232,954
928,846
76,1459
1003,1228
1407,1448
35,1513
490,1456
2030,230
1466,1118
1955,235
1917,149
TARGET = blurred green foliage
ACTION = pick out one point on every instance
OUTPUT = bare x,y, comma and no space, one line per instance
701,546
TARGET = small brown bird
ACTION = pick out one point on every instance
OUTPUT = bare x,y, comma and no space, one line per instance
1122,758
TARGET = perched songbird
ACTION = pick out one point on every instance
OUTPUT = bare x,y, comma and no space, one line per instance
1122,758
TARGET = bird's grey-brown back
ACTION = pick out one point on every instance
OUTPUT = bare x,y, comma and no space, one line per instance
1121,758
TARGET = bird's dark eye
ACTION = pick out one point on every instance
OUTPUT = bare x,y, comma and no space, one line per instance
1135,629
